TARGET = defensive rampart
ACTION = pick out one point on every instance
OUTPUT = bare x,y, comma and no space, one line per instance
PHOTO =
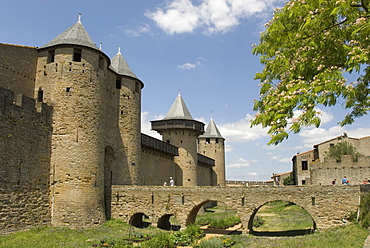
25,146
327,205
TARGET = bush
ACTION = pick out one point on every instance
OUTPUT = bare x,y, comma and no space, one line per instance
210,243
258,221
161,240
225,222
193,231
364,216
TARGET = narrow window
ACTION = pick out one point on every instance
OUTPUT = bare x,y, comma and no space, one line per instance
303,182
77,55
68,89
101,62
216,140
304,165
118,83
208,140
51,56
137,88
40,95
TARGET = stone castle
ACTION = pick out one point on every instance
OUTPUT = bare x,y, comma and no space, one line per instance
70,129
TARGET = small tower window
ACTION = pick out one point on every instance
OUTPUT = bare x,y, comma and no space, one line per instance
208,140
304,165
51,56
68,89
101,62
40,95
77,55
216,140
118,83
137,88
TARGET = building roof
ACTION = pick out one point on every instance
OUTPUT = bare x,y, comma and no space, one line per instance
120,65
211,131
75,35
178,110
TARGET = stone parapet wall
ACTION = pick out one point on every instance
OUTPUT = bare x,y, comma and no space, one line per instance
17,68
327,205
25,143
324,173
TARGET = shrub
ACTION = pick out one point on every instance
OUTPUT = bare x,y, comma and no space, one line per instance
193,231
364,216
258,221
161,240
210,243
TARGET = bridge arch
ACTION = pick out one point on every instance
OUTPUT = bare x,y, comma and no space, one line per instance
136,220
192,214
254,213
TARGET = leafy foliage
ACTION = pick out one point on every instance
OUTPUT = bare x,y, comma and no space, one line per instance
306,49
343,148
364,216
289,180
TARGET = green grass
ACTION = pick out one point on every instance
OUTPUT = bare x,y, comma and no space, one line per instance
112,232
283,216
351,235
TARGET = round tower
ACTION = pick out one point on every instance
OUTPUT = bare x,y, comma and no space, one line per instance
212,144
71,76
179,128
129,117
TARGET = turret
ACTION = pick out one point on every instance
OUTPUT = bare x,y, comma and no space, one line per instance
179,128
212,145
129,117
71,77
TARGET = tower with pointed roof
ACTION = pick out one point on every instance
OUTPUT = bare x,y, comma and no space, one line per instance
178,128
212,145
89,151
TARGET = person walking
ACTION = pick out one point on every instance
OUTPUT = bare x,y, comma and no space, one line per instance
172,182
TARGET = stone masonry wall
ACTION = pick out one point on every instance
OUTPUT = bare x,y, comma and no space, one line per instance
324,173
25,141
327,205
17,68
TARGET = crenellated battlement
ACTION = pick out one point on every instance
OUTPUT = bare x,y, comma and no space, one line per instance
9,103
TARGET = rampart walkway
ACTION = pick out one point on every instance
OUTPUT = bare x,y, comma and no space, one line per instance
327,205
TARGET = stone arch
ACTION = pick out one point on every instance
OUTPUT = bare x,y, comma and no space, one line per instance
190,219
164,223
250,221
108,161
136,220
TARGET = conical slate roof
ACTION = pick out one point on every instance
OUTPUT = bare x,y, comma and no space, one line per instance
120,65
211,131
75,35
178,110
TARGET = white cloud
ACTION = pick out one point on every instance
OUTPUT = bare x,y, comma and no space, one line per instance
144,29
146,126
213,16
186,66
241,131
240,163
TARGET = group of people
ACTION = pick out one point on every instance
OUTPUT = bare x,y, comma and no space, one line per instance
345,181
172,182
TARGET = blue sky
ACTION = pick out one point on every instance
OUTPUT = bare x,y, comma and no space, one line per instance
201,48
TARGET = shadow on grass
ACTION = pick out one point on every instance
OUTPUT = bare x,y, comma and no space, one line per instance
283,233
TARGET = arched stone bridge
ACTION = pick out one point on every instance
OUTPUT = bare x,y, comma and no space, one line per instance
327,205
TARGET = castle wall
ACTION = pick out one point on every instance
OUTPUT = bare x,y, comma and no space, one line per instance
74,89
205,175
324,173
17,68
25,146
216,151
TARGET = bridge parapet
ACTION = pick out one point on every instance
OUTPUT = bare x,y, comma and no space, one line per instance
327,205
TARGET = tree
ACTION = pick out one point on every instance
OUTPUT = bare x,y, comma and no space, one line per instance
307,49
343,148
